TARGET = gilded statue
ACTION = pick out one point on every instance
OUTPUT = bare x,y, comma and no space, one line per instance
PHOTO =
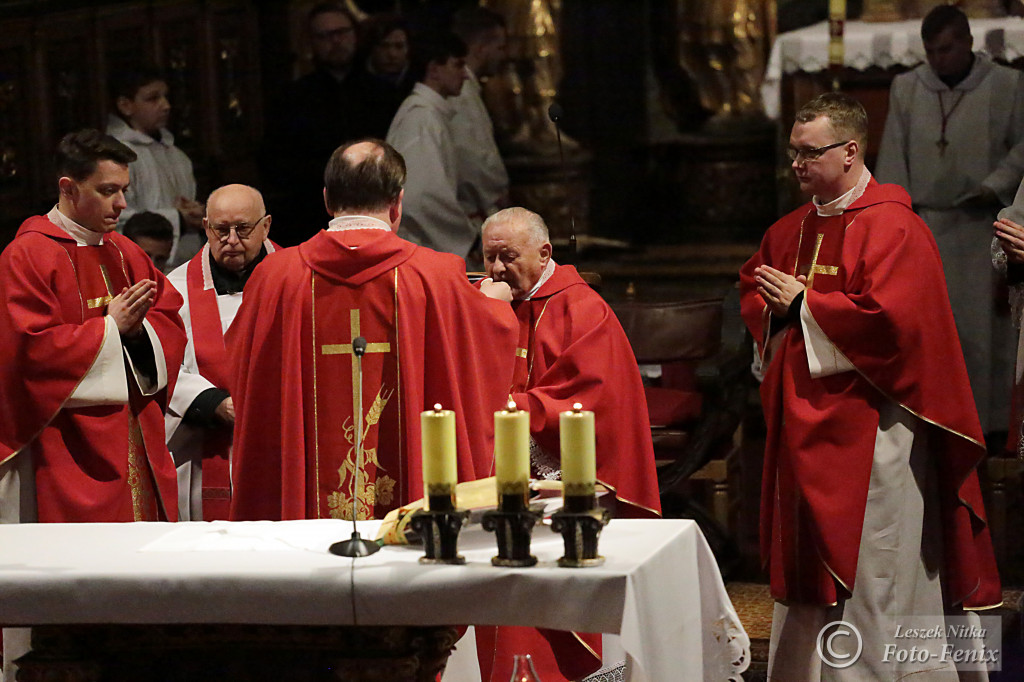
519,98
723,46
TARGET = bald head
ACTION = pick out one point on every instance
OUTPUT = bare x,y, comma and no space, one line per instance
516,249
363,177
236,225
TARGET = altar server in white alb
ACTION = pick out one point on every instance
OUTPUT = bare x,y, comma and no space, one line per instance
162,177
482,178
421,133
201,414
954,138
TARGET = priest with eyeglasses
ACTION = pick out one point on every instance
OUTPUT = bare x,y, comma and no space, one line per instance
871,511
201,413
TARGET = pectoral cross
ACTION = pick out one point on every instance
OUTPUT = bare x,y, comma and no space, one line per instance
819,269
103,300
346,348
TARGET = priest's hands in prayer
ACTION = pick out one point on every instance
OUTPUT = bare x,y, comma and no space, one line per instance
129,308
499,290
778,289
1011,239
226,411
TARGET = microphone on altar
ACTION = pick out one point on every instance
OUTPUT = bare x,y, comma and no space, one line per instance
555,113
356,546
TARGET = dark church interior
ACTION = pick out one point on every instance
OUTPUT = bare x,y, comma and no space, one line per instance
658,180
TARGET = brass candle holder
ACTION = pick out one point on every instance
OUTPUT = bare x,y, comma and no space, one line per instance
513,521
439,525
580,522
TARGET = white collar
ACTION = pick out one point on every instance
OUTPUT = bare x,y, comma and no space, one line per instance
434,98
357,222
840,204
117,127
83,236
549,270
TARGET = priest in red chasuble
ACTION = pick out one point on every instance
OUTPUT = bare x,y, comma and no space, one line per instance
89,330
431,338
871,512
571,349
201,413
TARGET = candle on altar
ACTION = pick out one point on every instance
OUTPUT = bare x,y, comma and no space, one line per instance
439,470
576,437
836,22
512,452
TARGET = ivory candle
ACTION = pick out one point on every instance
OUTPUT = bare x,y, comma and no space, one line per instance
512,450
438,434
576,437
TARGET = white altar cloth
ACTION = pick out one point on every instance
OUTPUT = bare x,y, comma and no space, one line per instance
659,589
868,44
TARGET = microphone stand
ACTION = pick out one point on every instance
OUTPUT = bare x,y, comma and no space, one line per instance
356,546
555,114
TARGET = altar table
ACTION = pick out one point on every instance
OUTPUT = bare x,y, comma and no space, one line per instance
659,590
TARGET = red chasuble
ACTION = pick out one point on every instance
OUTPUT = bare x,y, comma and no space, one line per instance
432,338
97,463
573,349
877,291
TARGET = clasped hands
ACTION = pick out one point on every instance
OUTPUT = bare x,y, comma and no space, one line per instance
1011,239
778,289
129,307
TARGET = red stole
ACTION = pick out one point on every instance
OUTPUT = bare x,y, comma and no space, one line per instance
340,314
101,274
211,360
528,316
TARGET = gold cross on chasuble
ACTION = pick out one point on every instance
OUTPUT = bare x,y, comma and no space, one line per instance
101,301
370,311
812,268
346,349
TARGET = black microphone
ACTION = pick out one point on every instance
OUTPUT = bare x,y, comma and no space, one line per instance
555,114
356,546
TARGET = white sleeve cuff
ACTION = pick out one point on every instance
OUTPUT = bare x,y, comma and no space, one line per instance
106,382
823,358
146,386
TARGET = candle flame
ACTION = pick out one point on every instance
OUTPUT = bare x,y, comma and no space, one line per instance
437,407
511,407
576,407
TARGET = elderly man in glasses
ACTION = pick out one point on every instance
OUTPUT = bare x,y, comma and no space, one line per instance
871,509
201,414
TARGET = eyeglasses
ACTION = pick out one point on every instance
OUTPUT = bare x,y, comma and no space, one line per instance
242,230
812,154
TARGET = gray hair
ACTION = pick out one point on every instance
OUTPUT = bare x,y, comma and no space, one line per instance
521,217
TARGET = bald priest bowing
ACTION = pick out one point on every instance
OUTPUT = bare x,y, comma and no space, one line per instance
432,338
201,413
